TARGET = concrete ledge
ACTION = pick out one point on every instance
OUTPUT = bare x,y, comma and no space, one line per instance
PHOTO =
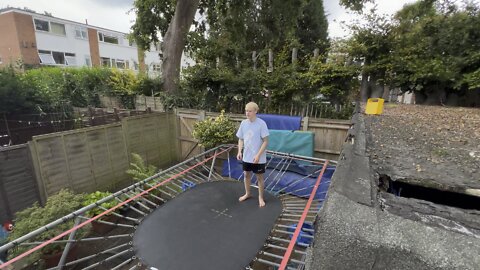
354,231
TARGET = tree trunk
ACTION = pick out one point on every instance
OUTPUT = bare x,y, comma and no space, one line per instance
294,55
377,89
364,93
174,42
270,60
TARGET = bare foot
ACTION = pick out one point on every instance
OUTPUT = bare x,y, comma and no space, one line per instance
244,197
261,202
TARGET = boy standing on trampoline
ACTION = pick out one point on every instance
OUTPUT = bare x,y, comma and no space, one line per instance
253,139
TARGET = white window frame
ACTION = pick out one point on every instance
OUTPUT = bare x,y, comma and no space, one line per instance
83,31
70,59
109,61
120,61
102,35
64,34
156,67
35,25
88,61
46,58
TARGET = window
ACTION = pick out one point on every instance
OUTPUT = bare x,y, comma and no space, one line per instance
42,25
46,57
120,63
70,59
88,61
156,67
81,32
57,58
135,65
106,62
107,38
51,27
57,28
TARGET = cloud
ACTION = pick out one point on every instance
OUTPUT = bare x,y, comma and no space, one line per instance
111,3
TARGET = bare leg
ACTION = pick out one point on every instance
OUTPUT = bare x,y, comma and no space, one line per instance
247,180
261,201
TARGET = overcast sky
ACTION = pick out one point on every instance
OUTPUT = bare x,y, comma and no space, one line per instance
115,15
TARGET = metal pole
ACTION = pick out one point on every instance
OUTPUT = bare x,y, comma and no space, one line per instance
69,244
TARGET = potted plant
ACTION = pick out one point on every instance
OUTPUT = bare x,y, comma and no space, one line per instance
215,131
34,217
99,227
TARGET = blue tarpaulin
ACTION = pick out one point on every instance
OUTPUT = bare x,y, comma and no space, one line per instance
292,142
298,179
281,122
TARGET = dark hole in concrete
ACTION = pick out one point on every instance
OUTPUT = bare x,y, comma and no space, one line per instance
437,196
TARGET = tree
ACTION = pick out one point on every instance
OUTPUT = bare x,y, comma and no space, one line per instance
312,30
152,18
372,44
355,5
436,52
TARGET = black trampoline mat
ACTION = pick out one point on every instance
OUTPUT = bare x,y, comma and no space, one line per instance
206,227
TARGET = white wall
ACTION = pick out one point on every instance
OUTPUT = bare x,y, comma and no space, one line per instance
81,48
69,43
120,51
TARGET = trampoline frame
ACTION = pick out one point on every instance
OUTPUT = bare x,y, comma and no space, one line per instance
280,250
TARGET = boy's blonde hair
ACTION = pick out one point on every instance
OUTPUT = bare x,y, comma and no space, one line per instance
252,105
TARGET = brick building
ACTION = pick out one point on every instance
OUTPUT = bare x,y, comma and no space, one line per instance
39,39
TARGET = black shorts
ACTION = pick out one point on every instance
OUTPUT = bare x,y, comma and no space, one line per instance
254,167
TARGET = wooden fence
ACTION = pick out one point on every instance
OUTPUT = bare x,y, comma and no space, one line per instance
18,184
96,158
330,134
83,160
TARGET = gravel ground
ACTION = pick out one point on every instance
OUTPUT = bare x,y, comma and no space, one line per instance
431,146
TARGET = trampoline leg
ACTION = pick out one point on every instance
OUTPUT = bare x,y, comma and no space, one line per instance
211,167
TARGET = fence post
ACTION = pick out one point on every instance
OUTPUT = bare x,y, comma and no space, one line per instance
115,112
37,171
91,113
305,123
10,142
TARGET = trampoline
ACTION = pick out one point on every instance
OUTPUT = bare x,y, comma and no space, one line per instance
189,217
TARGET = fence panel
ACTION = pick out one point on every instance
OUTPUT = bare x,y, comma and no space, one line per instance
144,102
329,136
152,137
97,158
186,118
329,133
18,184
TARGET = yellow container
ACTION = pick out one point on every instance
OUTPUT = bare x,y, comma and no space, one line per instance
374,106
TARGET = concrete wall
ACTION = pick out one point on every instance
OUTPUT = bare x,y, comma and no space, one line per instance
356,229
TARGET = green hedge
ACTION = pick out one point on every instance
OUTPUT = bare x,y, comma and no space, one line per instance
52,88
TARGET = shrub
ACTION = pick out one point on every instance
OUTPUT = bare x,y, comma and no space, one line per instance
214,131
32,218
139,170
96,196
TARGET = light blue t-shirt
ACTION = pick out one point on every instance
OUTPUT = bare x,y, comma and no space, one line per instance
252,134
